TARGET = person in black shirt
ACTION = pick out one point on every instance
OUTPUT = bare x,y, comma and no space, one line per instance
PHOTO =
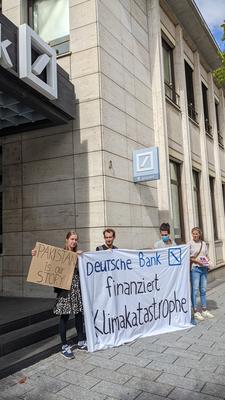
109,237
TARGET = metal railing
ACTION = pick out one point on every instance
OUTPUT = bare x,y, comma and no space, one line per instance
220,139
208,128
171,93
192,113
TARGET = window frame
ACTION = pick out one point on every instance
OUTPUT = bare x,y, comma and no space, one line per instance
197,190
208,127
1,201
213,203
220,137
170,87
190,92
61,44
223,191
178,184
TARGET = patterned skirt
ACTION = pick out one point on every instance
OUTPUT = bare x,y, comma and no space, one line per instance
69,301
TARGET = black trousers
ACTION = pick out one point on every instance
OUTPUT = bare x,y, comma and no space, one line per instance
79,325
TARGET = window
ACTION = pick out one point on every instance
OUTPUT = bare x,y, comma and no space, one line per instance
220,137
169,80
50,19
223,190
197,199
176,202
190,92
212,191
1,196
208,127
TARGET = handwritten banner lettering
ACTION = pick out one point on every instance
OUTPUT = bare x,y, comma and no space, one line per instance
129,294
52,266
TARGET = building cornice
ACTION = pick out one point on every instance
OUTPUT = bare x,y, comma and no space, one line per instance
195,30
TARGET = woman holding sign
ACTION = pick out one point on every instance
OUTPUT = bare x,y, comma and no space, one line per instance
199,273
70,302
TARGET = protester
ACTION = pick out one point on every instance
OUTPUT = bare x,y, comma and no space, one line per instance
70,302
109,237
166,239
199,272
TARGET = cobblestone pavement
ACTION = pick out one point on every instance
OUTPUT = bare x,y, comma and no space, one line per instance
184,365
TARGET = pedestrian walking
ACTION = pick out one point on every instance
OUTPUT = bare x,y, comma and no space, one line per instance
199,262
70,302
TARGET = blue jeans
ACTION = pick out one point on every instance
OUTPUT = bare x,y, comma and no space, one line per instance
198,283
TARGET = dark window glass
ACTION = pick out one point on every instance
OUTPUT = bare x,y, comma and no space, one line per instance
208,127
223,190
176,195
212,191
197,199
220,137
169,80
1,205
190,92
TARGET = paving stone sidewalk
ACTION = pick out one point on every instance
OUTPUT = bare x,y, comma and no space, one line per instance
186,365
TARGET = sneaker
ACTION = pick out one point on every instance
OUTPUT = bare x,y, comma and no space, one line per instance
193,322
207,314
67,353
198,316
82,345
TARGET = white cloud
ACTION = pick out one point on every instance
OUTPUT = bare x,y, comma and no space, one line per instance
213,11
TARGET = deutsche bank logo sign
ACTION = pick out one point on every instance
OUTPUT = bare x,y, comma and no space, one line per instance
29,70
146,164
46,60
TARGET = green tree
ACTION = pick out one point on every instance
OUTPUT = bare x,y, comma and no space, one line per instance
219,73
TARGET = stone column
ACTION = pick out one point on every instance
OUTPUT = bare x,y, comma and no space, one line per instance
159,110
187,185
205,186
218,180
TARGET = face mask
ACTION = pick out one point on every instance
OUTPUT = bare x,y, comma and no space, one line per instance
165,238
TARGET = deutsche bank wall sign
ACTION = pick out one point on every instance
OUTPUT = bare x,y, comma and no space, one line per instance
30,70
146,164
28,40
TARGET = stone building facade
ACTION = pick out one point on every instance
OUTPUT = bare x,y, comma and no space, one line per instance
142,73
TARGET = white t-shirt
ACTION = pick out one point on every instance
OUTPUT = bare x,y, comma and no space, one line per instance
194,250
160,244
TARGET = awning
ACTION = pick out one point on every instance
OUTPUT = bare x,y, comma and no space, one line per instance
24,104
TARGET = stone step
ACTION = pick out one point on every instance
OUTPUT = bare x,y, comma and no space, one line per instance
25,321
27,335
28,355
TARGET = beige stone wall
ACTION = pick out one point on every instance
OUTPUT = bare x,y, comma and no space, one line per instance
127,120
80,175
12,10
38,180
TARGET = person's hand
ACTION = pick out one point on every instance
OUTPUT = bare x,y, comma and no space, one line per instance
79,252
33,252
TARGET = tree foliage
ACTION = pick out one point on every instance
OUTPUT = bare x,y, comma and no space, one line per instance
219,73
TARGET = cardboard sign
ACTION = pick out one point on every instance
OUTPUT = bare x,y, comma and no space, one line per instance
52,266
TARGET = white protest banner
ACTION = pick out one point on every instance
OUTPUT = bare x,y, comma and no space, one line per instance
129,294
52,266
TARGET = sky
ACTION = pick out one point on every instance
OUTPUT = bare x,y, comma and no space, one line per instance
213,12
